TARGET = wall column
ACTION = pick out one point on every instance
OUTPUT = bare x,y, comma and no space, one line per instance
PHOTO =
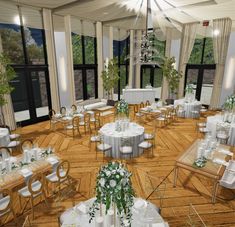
131,60
100,62
137,67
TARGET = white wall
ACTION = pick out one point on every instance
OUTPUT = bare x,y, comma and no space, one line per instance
61,60
229,75
175,51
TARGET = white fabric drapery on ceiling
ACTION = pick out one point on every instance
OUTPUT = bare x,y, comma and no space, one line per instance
187,42
222,29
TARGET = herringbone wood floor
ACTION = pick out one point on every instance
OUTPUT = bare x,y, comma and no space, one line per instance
170,142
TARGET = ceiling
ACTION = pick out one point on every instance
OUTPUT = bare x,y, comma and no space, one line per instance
123,13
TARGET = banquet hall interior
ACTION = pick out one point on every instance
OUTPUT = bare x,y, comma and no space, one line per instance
117,113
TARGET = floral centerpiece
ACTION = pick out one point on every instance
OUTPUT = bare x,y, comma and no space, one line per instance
114,190
122,108
189,89
229,103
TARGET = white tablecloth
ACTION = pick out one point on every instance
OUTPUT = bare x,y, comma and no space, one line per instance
188,106
136,96
78,219
135,133
4,137
211,126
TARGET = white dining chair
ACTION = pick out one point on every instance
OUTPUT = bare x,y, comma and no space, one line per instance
103,147
126,148
228,178
146,145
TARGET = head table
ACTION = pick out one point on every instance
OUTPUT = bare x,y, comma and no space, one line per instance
133,131
188,106
143,217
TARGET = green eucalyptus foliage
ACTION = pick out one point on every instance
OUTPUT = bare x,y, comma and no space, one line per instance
7,73
110,76
171,74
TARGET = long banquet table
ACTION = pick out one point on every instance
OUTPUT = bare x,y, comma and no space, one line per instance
136,96
76,216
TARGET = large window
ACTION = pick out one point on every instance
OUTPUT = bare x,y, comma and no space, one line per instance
121,51
200,70
152,74
25,46
85,67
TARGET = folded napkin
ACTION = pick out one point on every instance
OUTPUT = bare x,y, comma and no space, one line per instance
52,160
81,207
13,159
220,161
140,204
26,172
226,152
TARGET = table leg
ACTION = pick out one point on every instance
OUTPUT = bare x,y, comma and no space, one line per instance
214,191
175,175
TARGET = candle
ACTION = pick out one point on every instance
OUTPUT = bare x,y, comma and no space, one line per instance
8,165
99,222
110,217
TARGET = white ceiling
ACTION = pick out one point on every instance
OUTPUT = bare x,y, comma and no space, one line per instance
122,13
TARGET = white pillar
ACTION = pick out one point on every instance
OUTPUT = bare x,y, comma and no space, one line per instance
69,50
110,42
131,60
50,45
137,70
99,38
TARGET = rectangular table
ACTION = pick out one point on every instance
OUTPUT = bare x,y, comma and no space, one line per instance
136,96
211,170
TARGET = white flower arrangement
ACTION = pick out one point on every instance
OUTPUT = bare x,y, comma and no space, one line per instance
114,188
189,89
229,103
122,107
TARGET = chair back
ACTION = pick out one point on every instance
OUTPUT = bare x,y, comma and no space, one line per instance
37,177
8,207
147,103
87,117
125,141
75,121
51,113
5,152
136,108
74,108
63,110
62,170
26,144
97,115
7,127
194,219
26,222
141,105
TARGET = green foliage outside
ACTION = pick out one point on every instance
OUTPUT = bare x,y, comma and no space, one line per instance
77,49
110,77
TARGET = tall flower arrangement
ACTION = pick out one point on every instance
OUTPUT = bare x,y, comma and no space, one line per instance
122,107
114,188
189,89
229,103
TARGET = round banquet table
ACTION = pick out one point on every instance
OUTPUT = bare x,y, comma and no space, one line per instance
212,121
74,217
135,133
4,137
189,106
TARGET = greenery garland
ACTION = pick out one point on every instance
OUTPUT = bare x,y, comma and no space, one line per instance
189,89
229,104
114,187
122,107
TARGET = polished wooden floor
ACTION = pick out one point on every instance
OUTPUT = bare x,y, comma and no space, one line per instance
170,142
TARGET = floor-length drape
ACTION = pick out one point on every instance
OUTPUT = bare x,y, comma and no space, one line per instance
222,29
187,41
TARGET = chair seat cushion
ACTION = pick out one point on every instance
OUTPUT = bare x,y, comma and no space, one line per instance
95,138
161,118
13,144
148,136
201,124
53,176
139,114
145,145
222,136
203,129
14,136
104,147
4,202
25,191
126,149
70,127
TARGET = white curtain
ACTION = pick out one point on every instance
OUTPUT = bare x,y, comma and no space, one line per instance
187,41
7,109
164,92
50,45
221,33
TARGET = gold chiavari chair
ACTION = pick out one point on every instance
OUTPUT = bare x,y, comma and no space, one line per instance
63,110
193,218
34,189
137,114
5,152
6,205
53,120
141,105
161,119
103,147
27,222
147,103
95,120
74,126
95,138
126,147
